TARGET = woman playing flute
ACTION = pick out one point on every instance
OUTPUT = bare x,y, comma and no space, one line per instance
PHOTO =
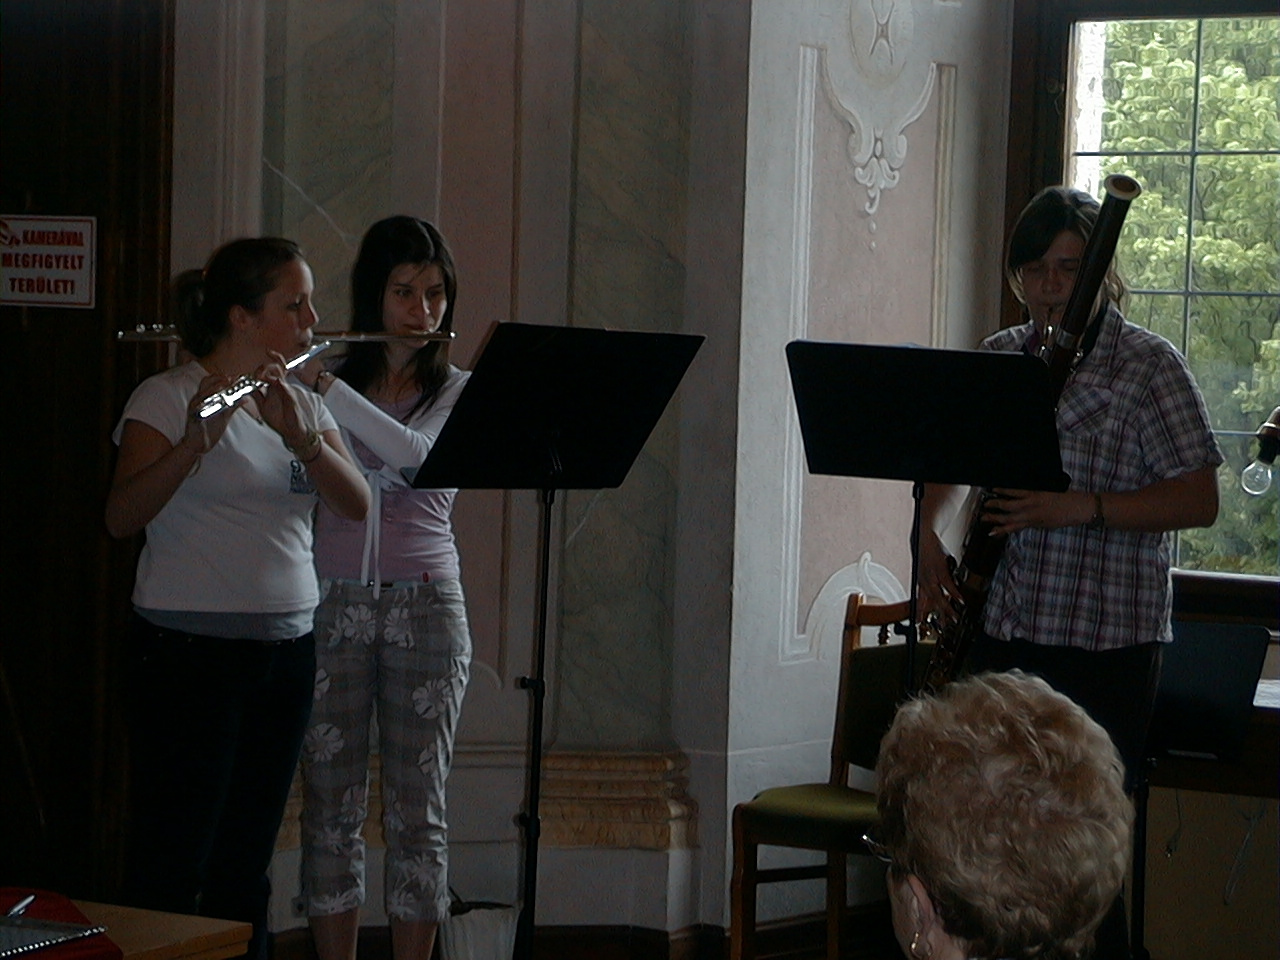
221,652
392,634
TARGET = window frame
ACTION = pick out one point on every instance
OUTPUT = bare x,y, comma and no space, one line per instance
1040,67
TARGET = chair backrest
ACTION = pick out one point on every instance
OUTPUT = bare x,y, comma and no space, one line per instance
871,685
1207,683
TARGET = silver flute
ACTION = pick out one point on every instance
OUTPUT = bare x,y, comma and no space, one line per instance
217,402
160,333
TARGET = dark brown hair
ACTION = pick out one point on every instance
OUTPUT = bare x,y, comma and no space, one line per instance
239,274
386,245
1050,212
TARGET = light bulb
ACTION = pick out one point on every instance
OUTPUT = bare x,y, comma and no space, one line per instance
1256,478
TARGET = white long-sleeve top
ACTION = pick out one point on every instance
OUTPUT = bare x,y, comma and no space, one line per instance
409,533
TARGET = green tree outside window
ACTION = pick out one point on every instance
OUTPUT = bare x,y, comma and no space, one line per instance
1191,109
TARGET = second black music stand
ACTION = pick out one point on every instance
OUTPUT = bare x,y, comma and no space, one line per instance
553,408
970,417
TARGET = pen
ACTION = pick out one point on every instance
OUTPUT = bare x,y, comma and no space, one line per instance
20,907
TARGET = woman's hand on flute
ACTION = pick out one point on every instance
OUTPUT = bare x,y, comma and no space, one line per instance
203,433
331,467
277,405
150,468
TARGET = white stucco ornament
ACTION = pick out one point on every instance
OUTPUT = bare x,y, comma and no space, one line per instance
881,81
824,624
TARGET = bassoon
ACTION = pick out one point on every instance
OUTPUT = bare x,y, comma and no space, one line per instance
1061,351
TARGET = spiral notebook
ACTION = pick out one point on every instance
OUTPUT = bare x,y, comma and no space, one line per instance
21,935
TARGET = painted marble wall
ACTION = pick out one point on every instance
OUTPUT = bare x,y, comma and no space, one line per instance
681,166
871,217
370,112
469,114
629,270
327,133
509,110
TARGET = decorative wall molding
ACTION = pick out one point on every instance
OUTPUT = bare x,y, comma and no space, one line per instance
881,81
617,801
944,180
824,624
796,646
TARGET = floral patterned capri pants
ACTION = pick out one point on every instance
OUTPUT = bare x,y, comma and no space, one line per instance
407,654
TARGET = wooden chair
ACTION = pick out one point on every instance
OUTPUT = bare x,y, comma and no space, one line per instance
830,816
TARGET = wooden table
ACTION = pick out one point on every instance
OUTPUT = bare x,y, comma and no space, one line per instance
153,935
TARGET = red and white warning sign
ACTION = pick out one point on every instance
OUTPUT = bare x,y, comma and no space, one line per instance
48,261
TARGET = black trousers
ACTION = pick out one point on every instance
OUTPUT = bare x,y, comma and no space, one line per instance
1117,688
215,729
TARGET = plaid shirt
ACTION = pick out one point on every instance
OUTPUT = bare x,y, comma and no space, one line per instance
1130,415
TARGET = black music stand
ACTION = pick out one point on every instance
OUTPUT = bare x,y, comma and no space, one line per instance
970,417
553,408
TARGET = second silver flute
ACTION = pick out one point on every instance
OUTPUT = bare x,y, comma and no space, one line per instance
217,402
159,333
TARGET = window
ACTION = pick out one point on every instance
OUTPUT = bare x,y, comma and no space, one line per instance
1187,106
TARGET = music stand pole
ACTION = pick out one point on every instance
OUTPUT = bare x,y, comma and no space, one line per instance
911,631
537,687
552,408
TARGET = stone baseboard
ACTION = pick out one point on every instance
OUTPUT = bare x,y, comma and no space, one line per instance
617,800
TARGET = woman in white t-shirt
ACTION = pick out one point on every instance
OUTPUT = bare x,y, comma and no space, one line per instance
391,633
221,653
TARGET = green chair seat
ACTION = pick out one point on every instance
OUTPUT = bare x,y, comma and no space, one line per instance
831,816
816,816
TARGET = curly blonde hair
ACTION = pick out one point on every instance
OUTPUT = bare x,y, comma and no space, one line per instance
1007,802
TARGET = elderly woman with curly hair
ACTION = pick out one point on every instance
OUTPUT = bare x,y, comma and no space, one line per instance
1004,821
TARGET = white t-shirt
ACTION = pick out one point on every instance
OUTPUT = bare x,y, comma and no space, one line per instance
236,535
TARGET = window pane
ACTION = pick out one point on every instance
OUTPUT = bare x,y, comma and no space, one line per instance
1152,252
1241,84
1191,109
1244,540
1158,312
1233,352
1149,85
1235,240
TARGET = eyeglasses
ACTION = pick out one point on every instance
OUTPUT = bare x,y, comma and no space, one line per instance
878,849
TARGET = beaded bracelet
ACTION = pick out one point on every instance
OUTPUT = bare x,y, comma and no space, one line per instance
311,444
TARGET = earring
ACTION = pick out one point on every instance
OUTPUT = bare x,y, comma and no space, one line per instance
915,944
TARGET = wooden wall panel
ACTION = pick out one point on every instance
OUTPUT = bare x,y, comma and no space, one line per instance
85,113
